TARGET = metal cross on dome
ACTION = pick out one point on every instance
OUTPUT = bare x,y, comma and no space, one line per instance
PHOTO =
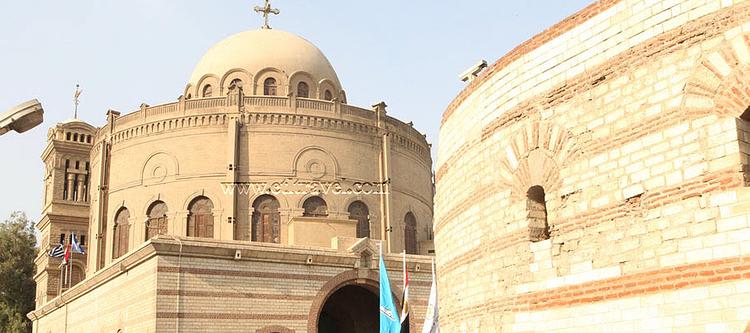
266,10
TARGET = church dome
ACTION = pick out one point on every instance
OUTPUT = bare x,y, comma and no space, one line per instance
252,57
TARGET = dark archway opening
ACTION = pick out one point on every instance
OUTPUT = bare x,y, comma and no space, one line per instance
537,214
351,309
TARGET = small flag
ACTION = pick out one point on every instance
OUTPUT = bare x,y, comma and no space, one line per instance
77,248
405,307
389,322
66,257
57,251
431,323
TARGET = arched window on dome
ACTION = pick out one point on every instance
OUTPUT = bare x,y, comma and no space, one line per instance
266,221
536,205
235,84
303,90
315,207
358,211
328,95
201,218
157,219
120,233
410,233
269,87
208,91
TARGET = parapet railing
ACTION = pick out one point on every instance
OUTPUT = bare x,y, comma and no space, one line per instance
408,137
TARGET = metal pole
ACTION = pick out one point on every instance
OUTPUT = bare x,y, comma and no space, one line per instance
70,263
61,282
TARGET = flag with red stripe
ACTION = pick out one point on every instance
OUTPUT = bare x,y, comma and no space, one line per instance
405,298
66,257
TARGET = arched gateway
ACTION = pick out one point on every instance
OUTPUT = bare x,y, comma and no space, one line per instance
352,308
349,303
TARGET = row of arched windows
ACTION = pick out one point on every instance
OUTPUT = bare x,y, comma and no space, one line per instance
270,88
83,138
266,219
200,223
265,225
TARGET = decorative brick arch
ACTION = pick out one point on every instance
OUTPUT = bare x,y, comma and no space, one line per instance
367,279
533,156
720,84
275,329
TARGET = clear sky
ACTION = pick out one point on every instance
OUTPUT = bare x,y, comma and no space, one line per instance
124,53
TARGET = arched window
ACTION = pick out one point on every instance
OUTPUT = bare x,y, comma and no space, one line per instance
121,233
303,90
157,219
235,83
358,211
328,95
77,275
410,233
201,218
189,96
269,87
536,205
266,225
315,207
208,91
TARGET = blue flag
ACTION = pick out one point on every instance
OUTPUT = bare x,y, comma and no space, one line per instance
389,322
77,248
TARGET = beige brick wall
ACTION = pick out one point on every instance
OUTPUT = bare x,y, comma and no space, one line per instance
628,119
199,286
128,300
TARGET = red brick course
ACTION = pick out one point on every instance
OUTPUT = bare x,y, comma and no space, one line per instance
640,284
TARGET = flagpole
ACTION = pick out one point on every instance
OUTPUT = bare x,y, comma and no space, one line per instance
75,114
404,267
70,263
62,275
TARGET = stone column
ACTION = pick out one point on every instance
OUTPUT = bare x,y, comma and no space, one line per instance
384,173
69,195
233,136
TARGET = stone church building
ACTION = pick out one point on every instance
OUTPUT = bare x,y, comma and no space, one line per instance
257,202
597,176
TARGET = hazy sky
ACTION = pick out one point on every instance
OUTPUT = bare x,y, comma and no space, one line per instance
124,53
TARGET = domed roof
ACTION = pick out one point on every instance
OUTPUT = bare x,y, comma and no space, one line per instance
257,51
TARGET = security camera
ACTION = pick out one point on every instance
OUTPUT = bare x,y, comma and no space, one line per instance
22,117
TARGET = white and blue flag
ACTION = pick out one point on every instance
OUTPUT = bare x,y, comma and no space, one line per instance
389,321
76,246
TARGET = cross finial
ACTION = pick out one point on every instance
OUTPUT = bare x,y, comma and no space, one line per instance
266,10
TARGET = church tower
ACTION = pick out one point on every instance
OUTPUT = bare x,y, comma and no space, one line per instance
65,209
